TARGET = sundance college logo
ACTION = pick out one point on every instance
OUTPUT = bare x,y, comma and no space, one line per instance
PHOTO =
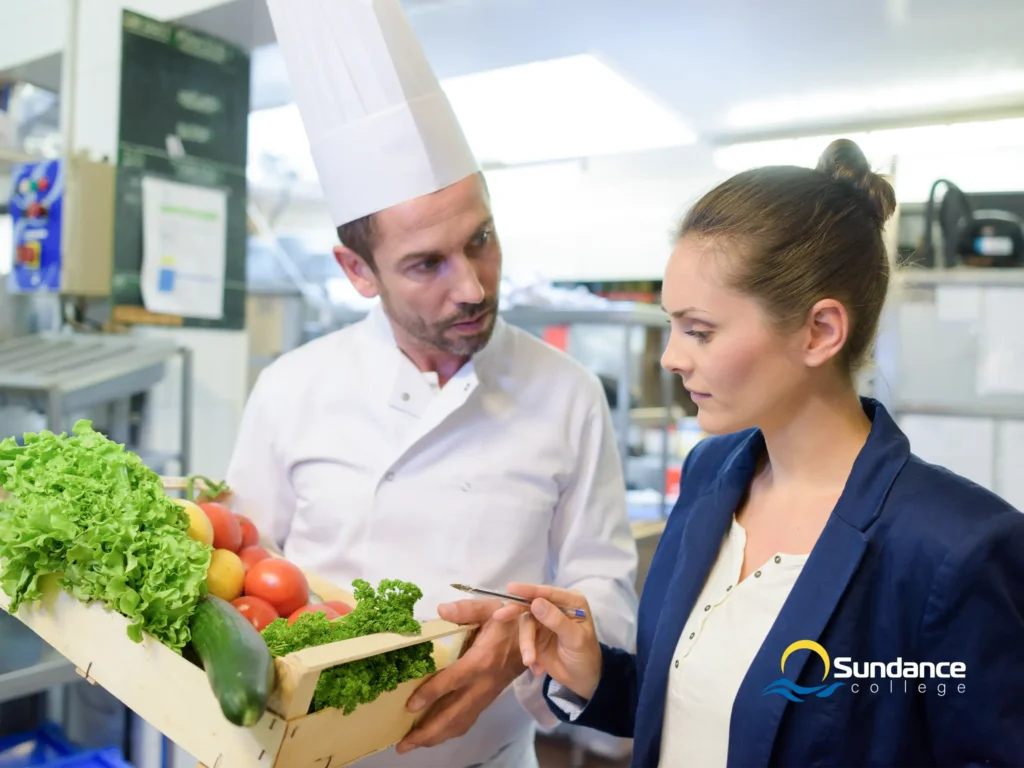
897,676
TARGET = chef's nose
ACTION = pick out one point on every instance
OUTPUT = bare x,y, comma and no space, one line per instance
466,285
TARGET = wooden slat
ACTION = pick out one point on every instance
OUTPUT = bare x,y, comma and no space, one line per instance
326,656
162,687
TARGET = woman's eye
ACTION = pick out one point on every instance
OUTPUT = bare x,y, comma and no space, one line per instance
701,336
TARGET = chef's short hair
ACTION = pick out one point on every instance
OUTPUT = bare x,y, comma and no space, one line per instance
360,236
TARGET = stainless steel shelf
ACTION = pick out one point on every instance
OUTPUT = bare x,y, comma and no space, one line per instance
995,276
978,410
63,373
52,670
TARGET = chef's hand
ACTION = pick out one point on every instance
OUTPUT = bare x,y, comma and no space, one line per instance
551,642
461,691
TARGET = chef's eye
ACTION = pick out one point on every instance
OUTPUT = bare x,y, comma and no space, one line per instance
428,265
481,239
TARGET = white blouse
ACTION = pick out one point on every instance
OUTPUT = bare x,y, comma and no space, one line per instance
726,628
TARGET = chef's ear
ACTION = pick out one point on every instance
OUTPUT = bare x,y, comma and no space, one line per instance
358,270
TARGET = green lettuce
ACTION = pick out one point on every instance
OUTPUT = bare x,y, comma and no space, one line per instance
84,508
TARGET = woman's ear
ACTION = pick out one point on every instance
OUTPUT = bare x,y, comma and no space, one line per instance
827,329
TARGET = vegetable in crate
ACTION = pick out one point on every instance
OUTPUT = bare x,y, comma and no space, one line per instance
237,662
388,609
83,507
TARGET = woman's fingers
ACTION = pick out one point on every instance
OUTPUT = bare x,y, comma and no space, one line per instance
571,633
563,597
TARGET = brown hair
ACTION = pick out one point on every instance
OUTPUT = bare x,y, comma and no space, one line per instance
360,236
807,235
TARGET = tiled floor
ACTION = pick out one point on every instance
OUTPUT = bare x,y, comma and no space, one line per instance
556,752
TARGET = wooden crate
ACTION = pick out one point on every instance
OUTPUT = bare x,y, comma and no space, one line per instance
173,695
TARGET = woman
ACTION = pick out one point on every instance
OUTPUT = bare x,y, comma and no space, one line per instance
807,541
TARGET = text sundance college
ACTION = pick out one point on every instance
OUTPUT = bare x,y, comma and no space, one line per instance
845,669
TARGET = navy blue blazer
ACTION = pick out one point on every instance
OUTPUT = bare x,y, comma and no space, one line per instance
915,564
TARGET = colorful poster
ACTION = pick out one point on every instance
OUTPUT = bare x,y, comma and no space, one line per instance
36,203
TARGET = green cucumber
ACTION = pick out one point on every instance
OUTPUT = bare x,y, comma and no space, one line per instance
236,659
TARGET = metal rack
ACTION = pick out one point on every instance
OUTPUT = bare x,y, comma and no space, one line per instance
59,374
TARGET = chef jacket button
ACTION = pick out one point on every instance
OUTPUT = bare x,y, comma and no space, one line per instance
692,635
707,607
405,396
778,559
466,486
757,574
389,476
677,663
728,588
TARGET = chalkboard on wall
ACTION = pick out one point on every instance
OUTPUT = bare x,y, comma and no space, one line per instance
184,117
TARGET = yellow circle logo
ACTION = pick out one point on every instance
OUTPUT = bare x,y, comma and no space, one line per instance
808,645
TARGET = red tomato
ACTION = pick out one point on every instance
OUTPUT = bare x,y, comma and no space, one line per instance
259,612
250,536
227,533
340,607
278,582
252,555
314,608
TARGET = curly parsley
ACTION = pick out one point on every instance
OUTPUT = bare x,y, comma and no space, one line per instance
388,609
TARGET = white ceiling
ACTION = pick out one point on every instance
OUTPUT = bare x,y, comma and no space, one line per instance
703,58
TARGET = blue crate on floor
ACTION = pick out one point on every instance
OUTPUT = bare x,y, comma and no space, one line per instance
35,748
98,758
47,747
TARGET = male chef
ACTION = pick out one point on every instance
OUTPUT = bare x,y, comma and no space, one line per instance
431,442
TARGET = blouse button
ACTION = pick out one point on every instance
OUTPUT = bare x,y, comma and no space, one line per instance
778,559
405,396
728,588
692,635
677,663
707,607
757,574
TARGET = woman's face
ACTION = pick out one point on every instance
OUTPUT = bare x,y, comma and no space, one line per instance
740,371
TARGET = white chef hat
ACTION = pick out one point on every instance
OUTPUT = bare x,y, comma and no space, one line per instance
380,128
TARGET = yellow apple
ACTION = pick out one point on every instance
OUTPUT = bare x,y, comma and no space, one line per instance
200,527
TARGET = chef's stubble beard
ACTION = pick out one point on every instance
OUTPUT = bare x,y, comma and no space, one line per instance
433,334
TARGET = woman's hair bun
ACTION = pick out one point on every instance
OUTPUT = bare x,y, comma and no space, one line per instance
844,162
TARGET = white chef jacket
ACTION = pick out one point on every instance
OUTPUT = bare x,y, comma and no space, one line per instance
357,467
723,634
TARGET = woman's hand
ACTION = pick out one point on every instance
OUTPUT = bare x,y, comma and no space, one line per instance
553,643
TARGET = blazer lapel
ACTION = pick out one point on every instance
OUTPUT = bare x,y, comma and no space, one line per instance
756,714
709,517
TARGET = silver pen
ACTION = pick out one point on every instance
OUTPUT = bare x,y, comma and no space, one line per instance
576,613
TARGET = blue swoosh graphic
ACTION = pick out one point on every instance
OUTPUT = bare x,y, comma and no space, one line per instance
830,690
790,690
